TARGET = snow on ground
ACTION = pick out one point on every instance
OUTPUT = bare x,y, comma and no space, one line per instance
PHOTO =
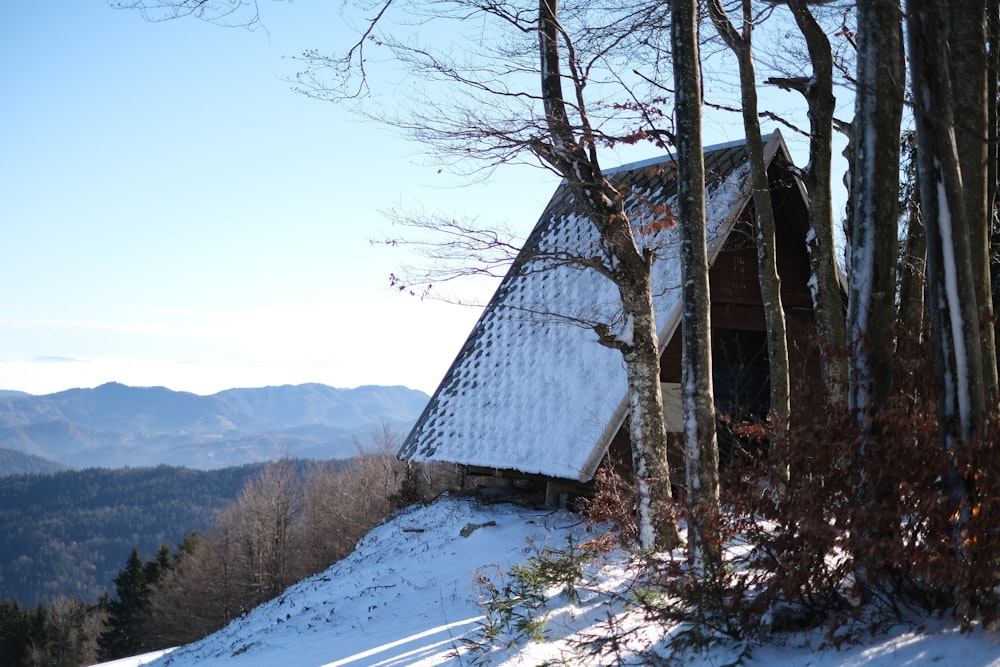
407,596
136,661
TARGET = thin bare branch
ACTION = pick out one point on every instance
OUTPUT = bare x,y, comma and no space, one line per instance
221,12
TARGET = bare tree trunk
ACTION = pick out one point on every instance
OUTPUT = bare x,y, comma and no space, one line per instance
701,446
826,287
993,157
951,286
875,198
954,313
646,424
576,159
913,263
767,252
911,284
965,32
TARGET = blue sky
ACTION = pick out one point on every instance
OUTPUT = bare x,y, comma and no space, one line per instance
174,214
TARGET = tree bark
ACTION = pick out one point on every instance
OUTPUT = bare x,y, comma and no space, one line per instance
646,424
951,289
993,157
701,445
576,159
767,253
825,283
875,198
965,32
912,266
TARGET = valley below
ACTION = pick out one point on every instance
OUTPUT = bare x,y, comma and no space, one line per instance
86,475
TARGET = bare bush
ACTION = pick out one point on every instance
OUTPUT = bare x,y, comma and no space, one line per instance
291,522
869,533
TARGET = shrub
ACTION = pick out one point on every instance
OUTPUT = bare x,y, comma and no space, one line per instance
870,532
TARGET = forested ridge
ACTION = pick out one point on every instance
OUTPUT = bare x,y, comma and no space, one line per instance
222,542
13,462
68,534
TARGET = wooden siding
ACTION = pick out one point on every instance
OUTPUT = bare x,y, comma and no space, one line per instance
735,287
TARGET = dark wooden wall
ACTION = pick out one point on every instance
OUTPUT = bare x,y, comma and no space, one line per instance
739,354
735,287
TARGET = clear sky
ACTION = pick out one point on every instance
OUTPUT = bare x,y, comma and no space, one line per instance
174,214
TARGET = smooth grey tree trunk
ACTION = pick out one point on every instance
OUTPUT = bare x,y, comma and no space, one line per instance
953,310
826,286
965,32
740,43
576,159
700,443
873,251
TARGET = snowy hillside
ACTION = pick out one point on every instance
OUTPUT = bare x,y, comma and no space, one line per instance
408,596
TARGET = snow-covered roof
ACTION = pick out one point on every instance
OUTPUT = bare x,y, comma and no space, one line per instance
531,389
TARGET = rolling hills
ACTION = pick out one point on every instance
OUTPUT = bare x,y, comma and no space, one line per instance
115,425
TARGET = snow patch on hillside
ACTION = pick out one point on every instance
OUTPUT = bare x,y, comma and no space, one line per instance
406,596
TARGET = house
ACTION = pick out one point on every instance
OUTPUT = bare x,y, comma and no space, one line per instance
533,395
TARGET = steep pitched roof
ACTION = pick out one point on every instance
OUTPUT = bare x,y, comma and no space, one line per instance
531,389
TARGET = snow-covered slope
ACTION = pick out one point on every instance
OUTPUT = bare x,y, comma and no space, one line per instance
402,597
406,596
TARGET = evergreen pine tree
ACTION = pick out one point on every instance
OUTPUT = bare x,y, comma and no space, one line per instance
15,629
120,638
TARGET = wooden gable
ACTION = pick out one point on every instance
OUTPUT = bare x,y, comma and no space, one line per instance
735,287
536,397
740,370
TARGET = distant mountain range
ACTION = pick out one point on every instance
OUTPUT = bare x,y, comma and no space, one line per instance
115,425
18,463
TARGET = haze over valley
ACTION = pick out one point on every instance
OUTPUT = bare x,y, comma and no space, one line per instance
114,425
88,474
